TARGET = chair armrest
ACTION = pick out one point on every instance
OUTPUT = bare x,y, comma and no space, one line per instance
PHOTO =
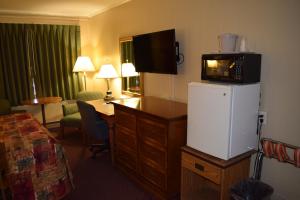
18,111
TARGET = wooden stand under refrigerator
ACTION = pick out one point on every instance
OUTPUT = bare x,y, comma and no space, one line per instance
207,177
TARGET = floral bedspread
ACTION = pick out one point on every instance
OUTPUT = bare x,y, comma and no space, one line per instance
33,163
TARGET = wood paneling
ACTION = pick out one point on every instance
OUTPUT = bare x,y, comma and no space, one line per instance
126,158
152,131
125,119
126,137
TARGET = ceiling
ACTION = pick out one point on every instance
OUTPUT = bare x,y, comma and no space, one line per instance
68,8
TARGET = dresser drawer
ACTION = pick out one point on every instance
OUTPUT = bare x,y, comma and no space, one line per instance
152,131
126,158
157,156
125,119
125,137
201,167
153,175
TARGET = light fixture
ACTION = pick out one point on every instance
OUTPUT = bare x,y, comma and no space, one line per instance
83,64
107,72
128,70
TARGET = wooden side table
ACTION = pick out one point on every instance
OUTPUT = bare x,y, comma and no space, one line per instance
42,101
207,177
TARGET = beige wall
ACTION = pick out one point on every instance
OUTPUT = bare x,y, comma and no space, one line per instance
272,28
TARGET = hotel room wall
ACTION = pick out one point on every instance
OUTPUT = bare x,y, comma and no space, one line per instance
271,28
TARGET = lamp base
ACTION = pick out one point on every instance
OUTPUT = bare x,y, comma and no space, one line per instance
108,96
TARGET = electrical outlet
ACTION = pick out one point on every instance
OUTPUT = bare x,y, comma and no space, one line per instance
263,115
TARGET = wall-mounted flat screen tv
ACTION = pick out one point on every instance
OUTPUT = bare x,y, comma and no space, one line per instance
155,52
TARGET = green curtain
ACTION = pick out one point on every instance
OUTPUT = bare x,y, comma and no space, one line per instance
41,53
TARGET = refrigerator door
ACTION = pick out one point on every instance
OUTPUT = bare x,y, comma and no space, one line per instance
209,114
245,104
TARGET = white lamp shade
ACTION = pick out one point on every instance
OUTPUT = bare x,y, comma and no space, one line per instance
128,70
83,64
107,71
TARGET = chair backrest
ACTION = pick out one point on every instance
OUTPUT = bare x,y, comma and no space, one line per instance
91,123
89,95
5,107
70,106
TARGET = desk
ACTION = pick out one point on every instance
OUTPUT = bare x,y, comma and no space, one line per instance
42,101
106,112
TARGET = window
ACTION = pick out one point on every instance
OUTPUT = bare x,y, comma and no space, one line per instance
132,82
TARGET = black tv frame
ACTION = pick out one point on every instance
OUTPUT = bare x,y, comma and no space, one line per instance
145,53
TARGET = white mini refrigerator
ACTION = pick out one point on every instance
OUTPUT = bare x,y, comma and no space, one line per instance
222,118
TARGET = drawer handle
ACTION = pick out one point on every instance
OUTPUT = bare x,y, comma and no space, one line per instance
199,167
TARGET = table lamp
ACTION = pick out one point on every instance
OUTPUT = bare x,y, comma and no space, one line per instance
128,70
107,71
83,64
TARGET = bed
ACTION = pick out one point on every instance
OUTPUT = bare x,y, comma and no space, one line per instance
32,162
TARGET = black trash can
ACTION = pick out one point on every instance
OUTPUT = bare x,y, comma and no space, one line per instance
251,189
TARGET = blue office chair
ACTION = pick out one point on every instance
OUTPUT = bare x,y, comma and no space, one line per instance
71,115
93,126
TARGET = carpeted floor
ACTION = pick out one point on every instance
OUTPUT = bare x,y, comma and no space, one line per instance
97,179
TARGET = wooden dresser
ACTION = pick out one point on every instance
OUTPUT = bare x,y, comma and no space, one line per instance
149,133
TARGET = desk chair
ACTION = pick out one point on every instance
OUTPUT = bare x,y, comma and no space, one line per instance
93,126
71,115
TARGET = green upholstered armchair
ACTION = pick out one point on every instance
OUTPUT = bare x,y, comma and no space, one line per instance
5,107
71,113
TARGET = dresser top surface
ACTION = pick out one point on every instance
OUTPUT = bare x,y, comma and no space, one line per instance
217,161
156,106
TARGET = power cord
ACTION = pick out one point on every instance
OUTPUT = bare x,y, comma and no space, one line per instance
260,154
181,59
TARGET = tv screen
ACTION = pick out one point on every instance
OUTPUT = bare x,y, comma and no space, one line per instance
155,52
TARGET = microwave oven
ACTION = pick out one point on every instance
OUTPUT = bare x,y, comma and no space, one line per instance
232,67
